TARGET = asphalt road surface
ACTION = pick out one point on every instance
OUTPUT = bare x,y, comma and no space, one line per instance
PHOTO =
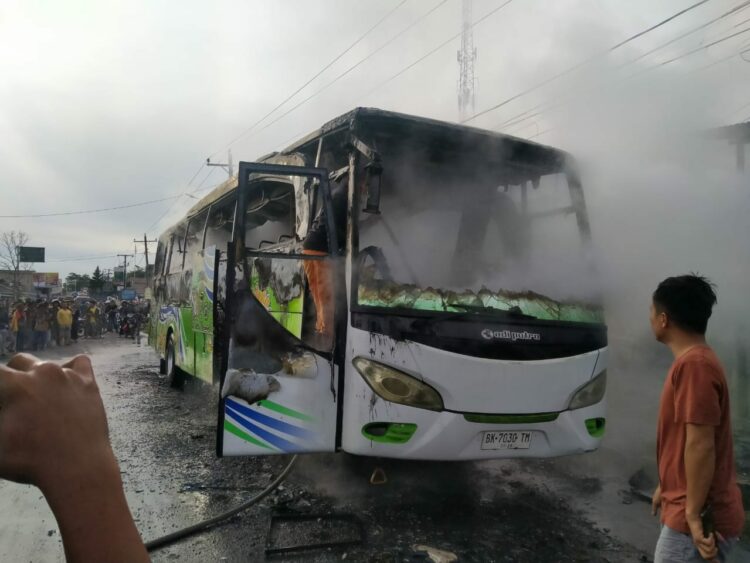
572,509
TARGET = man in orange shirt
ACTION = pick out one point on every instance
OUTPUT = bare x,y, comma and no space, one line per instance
695,455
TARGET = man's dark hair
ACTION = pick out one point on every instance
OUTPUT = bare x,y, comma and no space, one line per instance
687,300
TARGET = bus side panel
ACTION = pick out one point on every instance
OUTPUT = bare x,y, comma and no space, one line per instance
186,360
204,350
202,296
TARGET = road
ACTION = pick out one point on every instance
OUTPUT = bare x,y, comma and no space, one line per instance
571,509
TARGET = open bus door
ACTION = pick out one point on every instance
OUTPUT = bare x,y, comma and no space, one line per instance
280,379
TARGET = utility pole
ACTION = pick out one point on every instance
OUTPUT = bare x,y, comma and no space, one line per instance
466,57
125,269
229,166
145,242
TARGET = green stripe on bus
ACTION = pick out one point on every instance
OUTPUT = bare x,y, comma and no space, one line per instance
512,418
270,405
231,428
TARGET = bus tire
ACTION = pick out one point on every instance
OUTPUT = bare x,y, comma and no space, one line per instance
174,374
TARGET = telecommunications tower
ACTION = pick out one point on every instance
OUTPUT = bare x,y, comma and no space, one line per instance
466,57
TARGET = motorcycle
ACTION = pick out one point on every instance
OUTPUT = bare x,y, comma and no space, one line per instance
129,325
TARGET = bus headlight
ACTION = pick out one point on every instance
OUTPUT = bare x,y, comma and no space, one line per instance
396,386
591,393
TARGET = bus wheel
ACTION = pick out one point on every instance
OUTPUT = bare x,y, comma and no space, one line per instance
176,379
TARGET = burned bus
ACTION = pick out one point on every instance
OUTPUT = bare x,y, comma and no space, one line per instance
391,286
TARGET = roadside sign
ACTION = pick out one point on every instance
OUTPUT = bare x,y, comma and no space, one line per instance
31,254
127,294
45,279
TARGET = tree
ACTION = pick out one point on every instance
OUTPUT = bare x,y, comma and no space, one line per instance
9,258
77,281
97,280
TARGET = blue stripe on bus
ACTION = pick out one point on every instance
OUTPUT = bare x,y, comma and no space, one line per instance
210,295
271,422
272,439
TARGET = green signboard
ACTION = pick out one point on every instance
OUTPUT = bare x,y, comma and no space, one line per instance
31,254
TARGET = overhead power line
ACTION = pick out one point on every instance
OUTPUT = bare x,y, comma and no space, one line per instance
546,106
658,65
82,212
196,174
657,25
328,84
440,46
281,104
703,47
196,190
585,62
734,10
575,94
82,258
399,73
254,125
316,75
352,67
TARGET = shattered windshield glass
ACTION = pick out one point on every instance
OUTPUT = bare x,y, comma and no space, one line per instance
451,239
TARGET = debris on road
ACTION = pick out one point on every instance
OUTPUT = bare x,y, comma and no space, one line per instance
437,555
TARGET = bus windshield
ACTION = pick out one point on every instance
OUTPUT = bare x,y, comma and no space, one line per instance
477,239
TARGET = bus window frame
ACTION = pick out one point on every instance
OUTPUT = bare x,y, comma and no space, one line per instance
170,249
292,234
159,258
245,188
189,223
173,238
229,198
567,168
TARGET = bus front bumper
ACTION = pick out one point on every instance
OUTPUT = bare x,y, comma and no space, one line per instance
446,436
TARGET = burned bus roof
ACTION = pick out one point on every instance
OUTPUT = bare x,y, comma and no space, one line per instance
484,144
432,134
230,184
214,195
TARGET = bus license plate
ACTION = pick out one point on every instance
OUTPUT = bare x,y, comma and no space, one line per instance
513,440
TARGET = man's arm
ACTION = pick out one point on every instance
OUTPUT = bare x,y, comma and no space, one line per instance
700,463
656,500
65,451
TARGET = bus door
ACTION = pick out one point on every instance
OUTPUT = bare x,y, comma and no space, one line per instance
281,387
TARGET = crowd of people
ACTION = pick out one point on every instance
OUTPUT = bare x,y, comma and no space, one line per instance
34,325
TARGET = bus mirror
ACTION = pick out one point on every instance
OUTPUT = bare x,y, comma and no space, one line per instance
374,173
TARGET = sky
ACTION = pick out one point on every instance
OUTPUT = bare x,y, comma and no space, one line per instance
112,103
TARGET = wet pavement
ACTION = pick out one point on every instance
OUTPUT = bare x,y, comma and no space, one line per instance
572,509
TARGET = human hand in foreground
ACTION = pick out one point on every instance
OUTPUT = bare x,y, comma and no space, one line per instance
706,545
53,434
